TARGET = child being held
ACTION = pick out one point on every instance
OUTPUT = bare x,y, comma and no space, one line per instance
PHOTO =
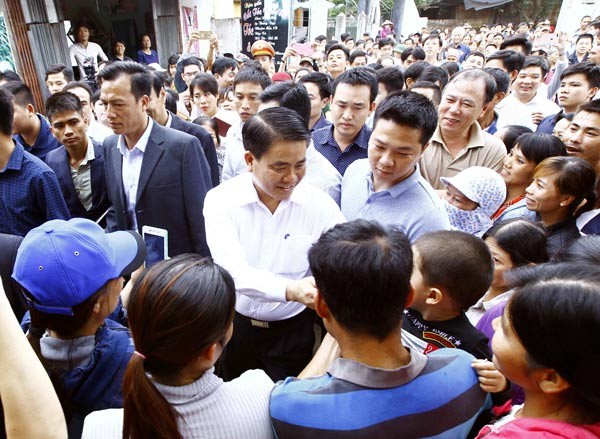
451,271
472,197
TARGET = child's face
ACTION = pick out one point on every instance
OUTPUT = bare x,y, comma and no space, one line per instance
417,282
509,354
457,199
502,264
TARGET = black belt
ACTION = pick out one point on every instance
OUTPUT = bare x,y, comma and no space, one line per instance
276,324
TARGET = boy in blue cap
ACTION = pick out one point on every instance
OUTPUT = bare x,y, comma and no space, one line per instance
71,276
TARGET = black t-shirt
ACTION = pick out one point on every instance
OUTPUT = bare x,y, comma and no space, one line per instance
454,333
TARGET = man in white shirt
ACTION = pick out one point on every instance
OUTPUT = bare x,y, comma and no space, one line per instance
259,226
95,130
86,54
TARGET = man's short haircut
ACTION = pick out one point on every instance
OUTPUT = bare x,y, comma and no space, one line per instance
21,92
589,36
536,61
222,64
434,74
391,77
437,93
510,59
289,95
96,96
362,271
592,106
457,263
385,42
158,81
432,37
357,54
171,99
344,37
273,125
9,76
139,76
415,70
417,53
590,70
341,47
252,75
7,110
321,80
471,75
501,77
59,68
476,53
410,109
79,84
205,82
522,42
358,76
193,61
62,102
320,38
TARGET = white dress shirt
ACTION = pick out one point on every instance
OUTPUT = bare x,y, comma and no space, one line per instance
132,166
263,251
98,132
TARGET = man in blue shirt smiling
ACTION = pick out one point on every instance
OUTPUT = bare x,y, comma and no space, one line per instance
29,191
387,186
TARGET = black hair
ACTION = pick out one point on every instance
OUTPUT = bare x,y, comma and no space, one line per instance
385,42
320,38
391,77
252,75
536,61
7,111
61,102
561,302
432,36
21,93
321,80
592,106
357,54
192,61
510,59
272,125
173,59
450,67
79,84
414,71
417,53
471,75
96,96
158,81
205,82
201,120
10,76
344,37
290,95
584,250
447,257
139,76
590,70
409,109
522,42
362,270
171,99
581,36
512,133
536,147
475,53
358,76
524,241
437,94
222,64
338,46
501,77
59,68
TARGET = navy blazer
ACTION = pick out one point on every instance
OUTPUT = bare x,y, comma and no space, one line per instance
207,142
173,182
58,160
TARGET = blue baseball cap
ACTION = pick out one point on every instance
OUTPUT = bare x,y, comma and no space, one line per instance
63,263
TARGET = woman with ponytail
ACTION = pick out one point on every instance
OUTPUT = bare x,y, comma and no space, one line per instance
180,314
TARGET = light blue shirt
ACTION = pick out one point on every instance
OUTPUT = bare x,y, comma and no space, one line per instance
412,205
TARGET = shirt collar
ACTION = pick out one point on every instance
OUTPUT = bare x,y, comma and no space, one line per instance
141,143
169,120
249,195
89,154
15,162
400,187
476,139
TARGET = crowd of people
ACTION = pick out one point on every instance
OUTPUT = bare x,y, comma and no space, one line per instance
385,236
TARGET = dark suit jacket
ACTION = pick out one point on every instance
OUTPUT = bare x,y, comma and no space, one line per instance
173,182
9,244
208,145
58,160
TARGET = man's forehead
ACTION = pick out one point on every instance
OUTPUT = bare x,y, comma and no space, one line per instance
56,76
587,119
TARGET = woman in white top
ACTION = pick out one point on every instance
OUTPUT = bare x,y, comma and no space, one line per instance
181,313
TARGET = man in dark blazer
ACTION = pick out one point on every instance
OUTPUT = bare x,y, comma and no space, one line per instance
155,176
157,111
79,163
